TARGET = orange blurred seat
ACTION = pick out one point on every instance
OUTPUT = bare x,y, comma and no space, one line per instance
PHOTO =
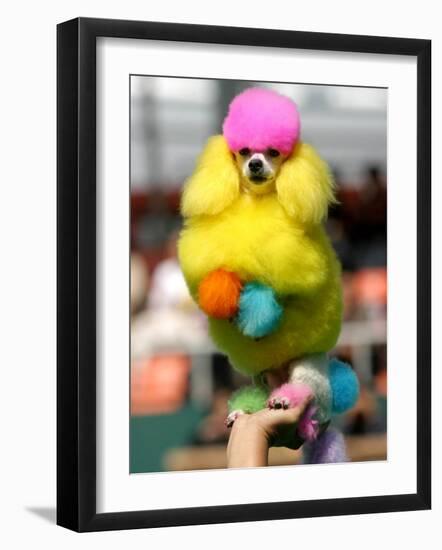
370,287
159,384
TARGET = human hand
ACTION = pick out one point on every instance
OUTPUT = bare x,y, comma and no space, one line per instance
252,434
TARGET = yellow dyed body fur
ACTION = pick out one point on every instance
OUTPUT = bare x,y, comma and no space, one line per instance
266,238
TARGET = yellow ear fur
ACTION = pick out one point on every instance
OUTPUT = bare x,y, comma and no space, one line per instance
214,184
305,185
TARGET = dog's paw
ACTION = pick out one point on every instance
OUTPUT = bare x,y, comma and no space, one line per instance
288,396
278,402
259,313
230,420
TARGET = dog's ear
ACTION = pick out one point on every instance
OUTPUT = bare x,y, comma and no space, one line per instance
214,184
305,185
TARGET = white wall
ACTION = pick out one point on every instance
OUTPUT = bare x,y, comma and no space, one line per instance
27,289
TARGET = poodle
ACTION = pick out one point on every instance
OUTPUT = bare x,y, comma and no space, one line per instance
258,262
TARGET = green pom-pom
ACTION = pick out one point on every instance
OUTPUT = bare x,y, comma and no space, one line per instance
248,399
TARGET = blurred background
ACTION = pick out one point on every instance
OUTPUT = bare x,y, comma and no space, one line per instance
179,383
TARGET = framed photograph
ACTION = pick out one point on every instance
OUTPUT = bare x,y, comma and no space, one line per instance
243,263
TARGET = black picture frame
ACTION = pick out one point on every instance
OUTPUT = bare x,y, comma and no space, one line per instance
76,273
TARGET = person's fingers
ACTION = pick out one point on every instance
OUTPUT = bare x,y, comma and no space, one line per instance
279,417
293,414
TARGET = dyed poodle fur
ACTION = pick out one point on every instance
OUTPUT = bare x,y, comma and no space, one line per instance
219,293
248,399
344,385
291,394
275,122
328,448
276,240
259,312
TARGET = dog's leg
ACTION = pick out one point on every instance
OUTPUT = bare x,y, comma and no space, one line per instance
329,447
308,376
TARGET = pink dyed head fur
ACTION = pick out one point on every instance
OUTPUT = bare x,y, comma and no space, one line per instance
259,119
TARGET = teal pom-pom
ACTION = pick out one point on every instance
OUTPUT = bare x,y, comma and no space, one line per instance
344,384
259,312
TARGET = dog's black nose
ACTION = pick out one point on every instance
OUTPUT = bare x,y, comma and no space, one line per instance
255,166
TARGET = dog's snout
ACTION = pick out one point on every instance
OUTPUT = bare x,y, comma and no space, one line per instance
255,166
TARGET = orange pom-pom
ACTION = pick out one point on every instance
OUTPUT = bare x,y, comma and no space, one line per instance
218,294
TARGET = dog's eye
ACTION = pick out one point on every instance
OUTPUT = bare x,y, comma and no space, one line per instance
244,152
273,153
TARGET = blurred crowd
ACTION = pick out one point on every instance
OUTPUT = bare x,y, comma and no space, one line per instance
180,384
